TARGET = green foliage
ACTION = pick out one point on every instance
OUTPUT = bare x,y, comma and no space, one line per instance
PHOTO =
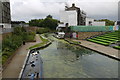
36,22
13,41
74,42
106,39
48,22
43,30
44,41
99,42
49,16
117,47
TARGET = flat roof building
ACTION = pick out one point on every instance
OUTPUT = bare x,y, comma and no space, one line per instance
5,15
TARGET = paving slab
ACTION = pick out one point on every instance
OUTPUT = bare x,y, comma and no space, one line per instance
106,50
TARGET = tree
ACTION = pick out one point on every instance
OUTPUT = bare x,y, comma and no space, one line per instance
108,22
48,22
49,16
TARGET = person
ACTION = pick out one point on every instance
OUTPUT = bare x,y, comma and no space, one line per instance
76,36
70,35
23,42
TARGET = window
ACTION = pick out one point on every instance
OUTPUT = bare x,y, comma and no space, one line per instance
118,23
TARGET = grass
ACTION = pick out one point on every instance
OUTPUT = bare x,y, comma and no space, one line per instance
107,39
117,47
99,42
74,42
44,41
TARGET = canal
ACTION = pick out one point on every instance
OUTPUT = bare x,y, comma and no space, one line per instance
63,60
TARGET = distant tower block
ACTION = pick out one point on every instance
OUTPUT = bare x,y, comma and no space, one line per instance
5,15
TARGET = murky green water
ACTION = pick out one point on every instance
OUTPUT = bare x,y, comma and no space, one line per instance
61,60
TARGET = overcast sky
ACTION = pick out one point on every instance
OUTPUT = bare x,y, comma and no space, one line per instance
36,9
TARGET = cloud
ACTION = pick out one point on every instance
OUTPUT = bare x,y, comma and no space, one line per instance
31,9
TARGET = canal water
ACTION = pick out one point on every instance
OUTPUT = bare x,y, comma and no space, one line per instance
63,60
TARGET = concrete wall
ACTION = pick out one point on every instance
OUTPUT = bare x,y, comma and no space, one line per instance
6,30
84,35
89,20
72,18
5,25
100,23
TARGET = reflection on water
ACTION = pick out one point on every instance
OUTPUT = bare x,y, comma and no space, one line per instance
70,52
63,60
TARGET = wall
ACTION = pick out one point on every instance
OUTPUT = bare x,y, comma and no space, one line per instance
100,23
6,30
84,35
89,20
7,25
69,17
72,18
94,23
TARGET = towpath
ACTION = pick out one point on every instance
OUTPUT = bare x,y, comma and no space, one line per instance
105,50
14,67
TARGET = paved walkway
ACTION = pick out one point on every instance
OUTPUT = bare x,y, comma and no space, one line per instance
111,52
14,67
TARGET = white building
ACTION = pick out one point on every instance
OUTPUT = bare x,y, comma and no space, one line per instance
92,22
69,17
74,16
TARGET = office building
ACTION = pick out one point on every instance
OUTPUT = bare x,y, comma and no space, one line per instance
5,15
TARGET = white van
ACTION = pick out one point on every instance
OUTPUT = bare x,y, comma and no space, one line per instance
60,35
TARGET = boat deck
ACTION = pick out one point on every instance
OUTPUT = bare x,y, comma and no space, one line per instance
33,66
